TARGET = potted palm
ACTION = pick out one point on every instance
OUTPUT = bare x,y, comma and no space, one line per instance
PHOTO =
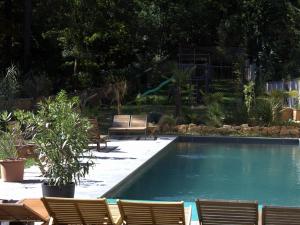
12,166
62,142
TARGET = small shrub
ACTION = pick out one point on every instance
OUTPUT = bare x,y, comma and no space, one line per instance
249,95
237,114
9,86
166,123
215,115
214,111
262,112
154,117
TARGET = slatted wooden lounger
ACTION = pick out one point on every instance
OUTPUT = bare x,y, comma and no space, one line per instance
138,123
150,213
275,215
220,212
16,212
95,136
120,124
81,211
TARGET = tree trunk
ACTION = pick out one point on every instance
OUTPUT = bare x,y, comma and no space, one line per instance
178,103
27,35
75,67
8,35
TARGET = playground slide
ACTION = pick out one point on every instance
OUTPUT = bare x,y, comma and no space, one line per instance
157,88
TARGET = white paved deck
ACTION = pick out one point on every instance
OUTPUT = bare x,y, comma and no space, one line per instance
110,168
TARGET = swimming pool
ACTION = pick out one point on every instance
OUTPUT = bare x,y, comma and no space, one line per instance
269,173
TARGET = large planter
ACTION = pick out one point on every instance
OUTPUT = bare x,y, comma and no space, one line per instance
12,170
286,114
66,191
296,114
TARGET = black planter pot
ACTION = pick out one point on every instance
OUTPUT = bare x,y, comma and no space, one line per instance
66,191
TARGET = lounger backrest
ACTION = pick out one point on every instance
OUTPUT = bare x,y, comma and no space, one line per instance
121,121
273,215
18,212
138,121
227,212
78,211
144,213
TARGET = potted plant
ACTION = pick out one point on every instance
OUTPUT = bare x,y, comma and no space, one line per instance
12,166
62,141
296,107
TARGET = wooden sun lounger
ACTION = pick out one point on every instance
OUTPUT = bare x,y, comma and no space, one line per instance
120,124
138,123
148,213
95,136
129,124
227,212
81,211
17,212
275,215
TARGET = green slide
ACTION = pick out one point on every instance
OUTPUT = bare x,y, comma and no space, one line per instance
157,88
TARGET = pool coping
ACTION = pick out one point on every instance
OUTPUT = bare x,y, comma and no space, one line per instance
237,139
123,184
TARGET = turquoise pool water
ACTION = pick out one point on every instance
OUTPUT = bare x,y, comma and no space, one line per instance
264,172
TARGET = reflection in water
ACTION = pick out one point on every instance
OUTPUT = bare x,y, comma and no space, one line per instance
267,173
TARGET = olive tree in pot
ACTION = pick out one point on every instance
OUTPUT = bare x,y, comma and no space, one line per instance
62,143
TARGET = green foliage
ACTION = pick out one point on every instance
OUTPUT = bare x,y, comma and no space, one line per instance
37,85
118,87
214,110
237,113
78,42
7,146
152,100
61,137
249,95
9,86
267,108
276,101
215,114
216,97
166,123
262,111
10,136
180,80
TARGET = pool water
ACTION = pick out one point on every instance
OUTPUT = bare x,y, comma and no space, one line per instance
187,171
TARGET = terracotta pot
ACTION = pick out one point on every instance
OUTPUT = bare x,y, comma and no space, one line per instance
296,114
287,114
12,170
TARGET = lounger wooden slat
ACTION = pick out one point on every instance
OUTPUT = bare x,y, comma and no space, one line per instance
121,121
18,213
138,123
275,215
144,213
227,212
81,211
120,124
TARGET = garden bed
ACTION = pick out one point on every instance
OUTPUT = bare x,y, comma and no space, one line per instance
241,130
